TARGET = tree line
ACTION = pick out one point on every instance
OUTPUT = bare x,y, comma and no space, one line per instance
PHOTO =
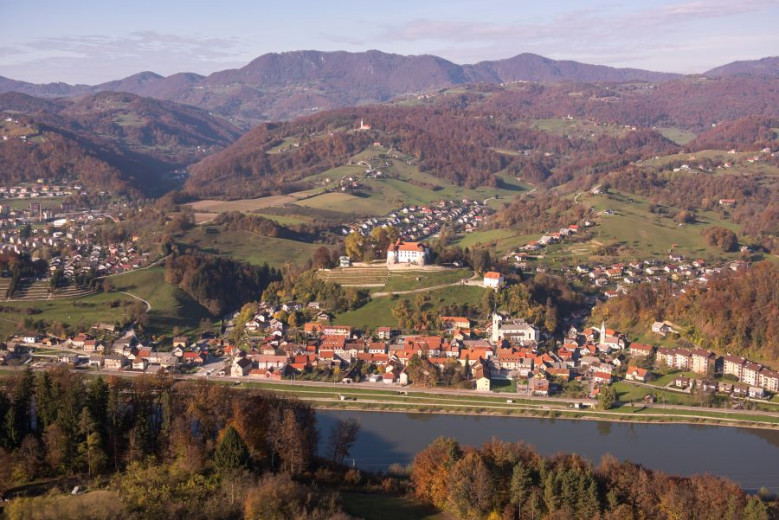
217,283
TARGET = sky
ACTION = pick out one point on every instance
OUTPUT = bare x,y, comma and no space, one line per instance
92,41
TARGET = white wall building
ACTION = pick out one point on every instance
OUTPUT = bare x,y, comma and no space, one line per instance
407,253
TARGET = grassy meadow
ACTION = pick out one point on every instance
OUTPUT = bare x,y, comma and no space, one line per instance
247,247
378,312
171,306
80,312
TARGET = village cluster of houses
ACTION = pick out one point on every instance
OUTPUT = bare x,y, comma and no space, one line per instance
89,257
720,164
506,349
125,352
72,237
677,270
415,223
39,190
614,279
548,238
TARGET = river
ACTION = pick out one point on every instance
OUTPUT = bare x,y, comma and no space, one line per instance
749,457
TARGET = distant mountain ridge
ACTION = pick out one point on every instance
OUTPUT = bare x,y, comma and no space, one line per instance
767,67
283,86
280,86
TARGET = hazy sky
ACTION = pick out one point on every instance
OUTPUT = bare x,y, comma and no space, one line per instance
91,41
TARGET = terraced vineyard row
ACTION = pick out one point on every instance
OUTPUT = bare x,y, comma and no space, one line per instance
37,290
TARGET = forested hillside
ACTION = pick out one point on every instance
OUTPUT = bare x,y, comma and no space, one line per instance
115,142
462,148
736,312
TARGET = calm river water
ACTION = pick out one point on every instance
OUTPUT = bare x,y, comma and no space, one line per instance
748,457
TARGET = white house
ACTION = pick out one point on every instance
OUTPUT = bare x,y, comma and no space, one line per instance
493,280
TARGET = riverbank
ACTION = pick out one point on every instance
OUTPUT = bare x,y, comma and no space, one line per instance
378,398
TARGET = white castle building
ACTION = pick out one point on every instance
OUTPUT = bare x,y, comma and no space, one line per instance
407,253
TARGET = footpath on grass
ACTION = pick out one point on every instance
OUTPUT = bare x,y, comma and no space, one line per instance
473,280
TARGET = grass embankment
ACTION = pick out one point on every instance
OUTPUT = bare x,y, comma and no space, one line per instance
486,404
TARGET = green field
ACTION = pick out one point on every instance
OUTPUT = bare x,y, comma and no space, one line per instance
349,204
643,234
627,391
171,307
46,202
247,247
284,220
79,313
579,128
677,135
378,312
128,120
402,184
408,280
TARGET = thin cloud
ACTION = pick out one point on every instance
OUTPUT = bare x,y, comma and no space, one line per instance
8,51
601,35
94,57
137,44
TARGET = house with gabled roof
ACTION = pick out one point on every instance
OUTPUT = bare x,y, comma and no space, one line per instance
637,374
493,280
454,322
241,367
384,333
481,375
733,365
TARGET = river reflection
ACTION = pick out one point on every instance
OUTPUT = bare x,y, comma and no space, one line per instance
749,457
